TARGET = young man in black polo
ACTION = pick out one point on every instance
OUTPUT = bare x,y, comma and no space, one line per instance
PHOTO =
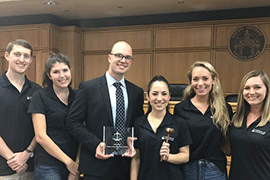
16,130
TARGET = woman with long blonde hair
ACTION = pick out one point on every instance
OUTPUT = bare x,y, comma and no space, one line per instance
250,132
208,117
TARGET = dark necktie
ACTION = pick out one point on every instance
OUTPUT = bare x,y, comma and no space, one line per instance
120,124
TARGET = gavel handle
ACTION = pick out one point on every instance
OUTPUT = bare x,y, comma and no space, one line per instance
167,139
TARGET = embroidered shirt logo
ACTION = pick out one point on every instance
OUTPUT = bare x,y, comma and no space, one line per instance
29,97
258,131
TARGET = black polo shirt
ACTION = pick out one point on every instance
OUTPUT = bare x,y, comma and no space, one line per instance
46,102
149,144
207,138
16,126
250,152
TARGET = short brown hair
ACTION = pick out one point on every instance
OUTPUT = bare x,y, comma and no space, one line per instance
19,42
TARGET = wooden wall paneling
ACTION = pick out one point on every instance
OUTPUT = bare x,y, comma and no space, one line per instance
95,66
3,63
140,73
70,45
31,35
175,65
78,60
223,32
41,57
31,71
104,40
55,38
231,70
45,38
183,37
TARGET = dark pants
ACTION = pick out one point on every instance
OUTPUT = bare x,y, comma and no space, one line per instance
120,171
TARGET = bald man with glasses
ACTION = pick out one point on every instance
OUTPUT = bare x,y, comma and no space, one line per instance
95,106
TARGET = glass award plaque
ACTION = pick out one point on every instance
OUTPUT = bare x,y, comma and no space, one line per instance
117,143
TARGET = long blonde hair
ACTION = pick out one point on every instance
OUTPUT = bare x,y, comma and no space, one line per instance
217,103
243,108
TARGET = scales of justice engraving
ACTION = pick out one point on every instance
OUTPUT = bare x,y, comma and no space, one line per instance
114,140
117,137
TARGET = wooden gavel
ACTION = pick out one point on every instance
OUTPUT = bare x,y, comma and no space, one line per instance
169,131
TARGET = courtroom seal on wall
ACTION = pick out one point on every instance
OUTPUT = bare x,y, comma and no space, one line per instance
247,43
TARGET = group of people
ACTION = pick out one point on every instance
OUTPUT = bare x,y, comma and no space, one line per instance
62,129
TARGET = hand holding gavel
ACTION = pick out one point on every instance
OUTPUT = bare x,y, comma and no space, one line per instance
169,131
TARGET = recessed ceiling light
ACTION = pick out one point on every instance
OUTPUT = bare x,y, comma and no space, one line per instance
50,3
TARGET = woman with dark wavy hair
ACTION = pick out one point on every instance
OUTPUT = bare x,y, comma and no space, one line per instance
155,159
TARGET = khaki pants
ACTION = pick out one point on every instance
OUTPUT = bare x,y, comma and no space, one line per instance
23,176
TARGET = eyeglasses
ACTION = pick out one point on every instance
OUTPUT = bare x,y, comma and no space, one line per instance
119,56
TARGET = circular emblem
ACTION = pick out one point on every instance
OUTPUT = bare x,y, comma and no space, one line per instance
247,43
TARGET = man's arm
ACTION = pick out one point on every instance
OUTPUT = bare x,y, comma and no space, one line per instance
15,162
32,145
20,158
18,161
76,119
5,152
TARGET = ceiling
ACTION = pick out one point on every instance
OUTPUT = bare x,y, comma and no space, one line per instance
91,9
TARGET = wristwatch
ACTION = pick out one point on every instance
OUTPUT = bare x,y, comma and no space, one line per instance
31,153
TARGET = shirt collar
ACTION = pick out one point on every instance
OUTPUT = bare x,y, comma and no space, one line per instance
166,122
190,107
6,81
50,92
111,80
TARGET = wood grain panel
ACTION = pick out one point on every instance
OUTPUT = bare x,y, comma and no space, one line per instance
93,41
95,66
184,37
45,38
139,73
30,35
3,63
31,71
231,70
55,39
174,66
223,32
69,45
41,57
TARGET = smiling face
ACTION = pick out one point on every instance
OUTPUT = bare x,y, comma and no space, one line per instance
201,81
19,59
60,75
159,96
118,67
254,91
